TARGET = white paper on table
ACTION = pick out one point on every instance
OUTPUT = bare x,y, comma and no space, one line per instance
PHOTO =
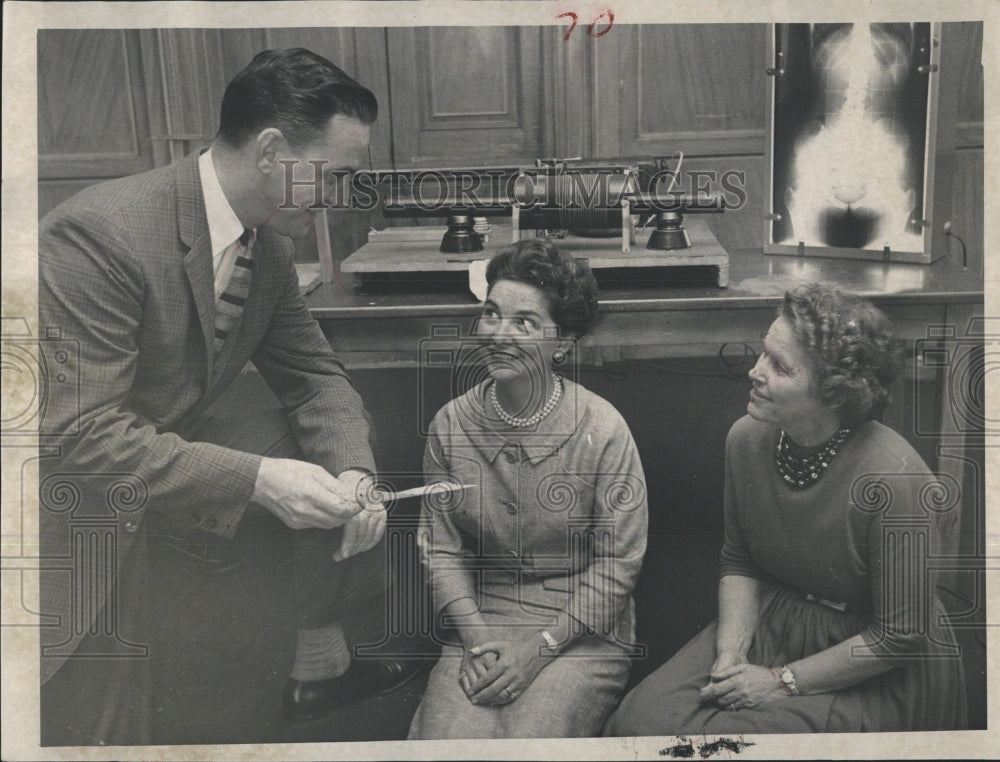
477,278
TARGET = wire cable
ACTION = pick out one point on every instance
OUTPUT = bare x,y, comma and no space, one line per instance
965,253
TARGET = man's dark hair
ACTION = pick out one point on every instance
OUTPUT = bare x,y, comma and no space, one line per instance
294,90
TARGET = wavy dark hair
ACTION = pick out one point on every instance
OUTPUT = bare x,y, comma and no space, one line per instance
294,90
855,354
568,284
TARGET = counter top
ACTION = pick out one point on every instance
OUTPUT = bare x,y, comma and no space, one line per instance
756,280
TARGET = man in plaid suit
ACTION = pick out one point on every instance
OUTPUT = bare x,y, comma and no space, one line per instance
134,273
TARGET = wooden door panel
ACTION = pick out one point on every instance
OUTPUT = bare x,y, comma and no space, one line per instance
698,88
465,96
92,120
192,88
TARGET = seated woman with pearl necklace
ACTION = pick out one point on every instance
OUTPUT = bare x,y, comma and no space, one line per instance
536,563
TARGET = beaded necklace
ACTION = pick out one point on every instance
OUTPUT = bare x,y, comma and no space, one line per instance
531,420
800,473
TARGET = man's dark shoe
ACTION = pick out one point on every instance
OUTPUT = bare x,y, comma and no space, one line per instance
312,699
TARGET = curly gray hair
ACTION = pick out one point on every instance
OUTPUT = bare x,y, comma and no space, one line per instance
856,355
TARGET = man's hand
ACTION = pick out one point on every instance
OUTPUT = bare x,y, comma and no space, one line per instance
361,485
363,531
304,495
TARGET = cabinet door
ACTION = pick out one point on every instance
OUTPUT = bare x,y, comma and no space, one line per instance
92,116
91,108
698,88
465,96
185,106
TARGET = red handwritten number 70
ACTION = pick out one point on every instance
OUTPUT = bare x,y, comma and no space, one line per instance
607,14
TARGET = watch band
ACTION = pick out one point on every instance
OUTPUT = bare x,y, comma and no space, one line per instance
787,678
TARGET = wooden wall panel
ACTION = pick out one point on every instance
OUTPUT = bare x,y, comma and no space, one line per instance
967,216
469,75
239,46
705,77
967,209
193,82
370,68
92,118
51,193
334,44
969,58
698,88
742,181
465,96
64,59
569,95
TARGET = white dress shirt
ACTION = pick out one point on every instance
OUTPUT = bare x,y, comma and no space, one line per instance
224,226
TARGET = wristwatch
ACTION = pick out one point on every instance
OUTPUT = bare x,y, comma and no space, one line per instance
787,678
550,643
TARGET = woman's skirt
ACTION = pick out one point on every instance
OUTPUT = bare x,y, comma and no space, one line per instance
926,692
571,697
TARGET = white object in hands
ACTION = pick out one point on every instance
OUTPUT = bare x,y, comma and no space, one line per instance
427,489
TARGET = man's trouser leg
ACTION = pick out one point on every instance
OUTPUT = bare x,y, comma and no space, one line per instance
326,591
101,698
94,699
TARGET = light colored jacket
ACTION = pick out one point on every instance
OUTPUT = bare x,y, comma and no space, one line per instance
556,518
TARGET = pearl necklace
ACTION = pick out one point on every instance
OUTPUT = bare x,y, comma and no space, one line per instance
520,423
799,473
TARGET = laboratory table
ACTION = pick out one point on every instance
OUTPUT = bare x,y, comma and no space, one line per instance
647,314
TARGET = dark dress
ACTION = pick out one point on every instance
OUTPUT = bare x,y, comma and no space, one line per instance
858,539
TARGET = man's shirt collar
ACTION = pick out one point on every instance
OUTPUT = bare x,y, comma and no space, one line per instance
224,226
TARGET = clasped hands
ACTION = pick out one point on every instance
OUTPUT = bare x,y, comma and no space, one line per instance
498,671
734,684
306,496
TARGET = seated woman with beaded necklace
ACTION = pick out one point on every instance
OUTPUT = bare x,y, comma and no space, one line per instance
534,565
828,617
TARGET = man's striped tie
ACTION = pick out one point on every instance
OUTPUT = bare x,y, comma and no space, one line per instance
229,306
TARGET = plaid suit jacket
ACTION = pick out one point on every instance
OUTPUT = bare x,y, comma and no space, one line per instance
125,275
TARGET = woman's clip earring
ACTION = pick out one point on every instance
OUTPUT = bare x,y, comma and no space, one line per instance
559,357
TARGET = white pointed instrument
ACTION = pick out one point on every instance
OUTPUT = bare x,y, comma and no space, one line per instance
428,489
